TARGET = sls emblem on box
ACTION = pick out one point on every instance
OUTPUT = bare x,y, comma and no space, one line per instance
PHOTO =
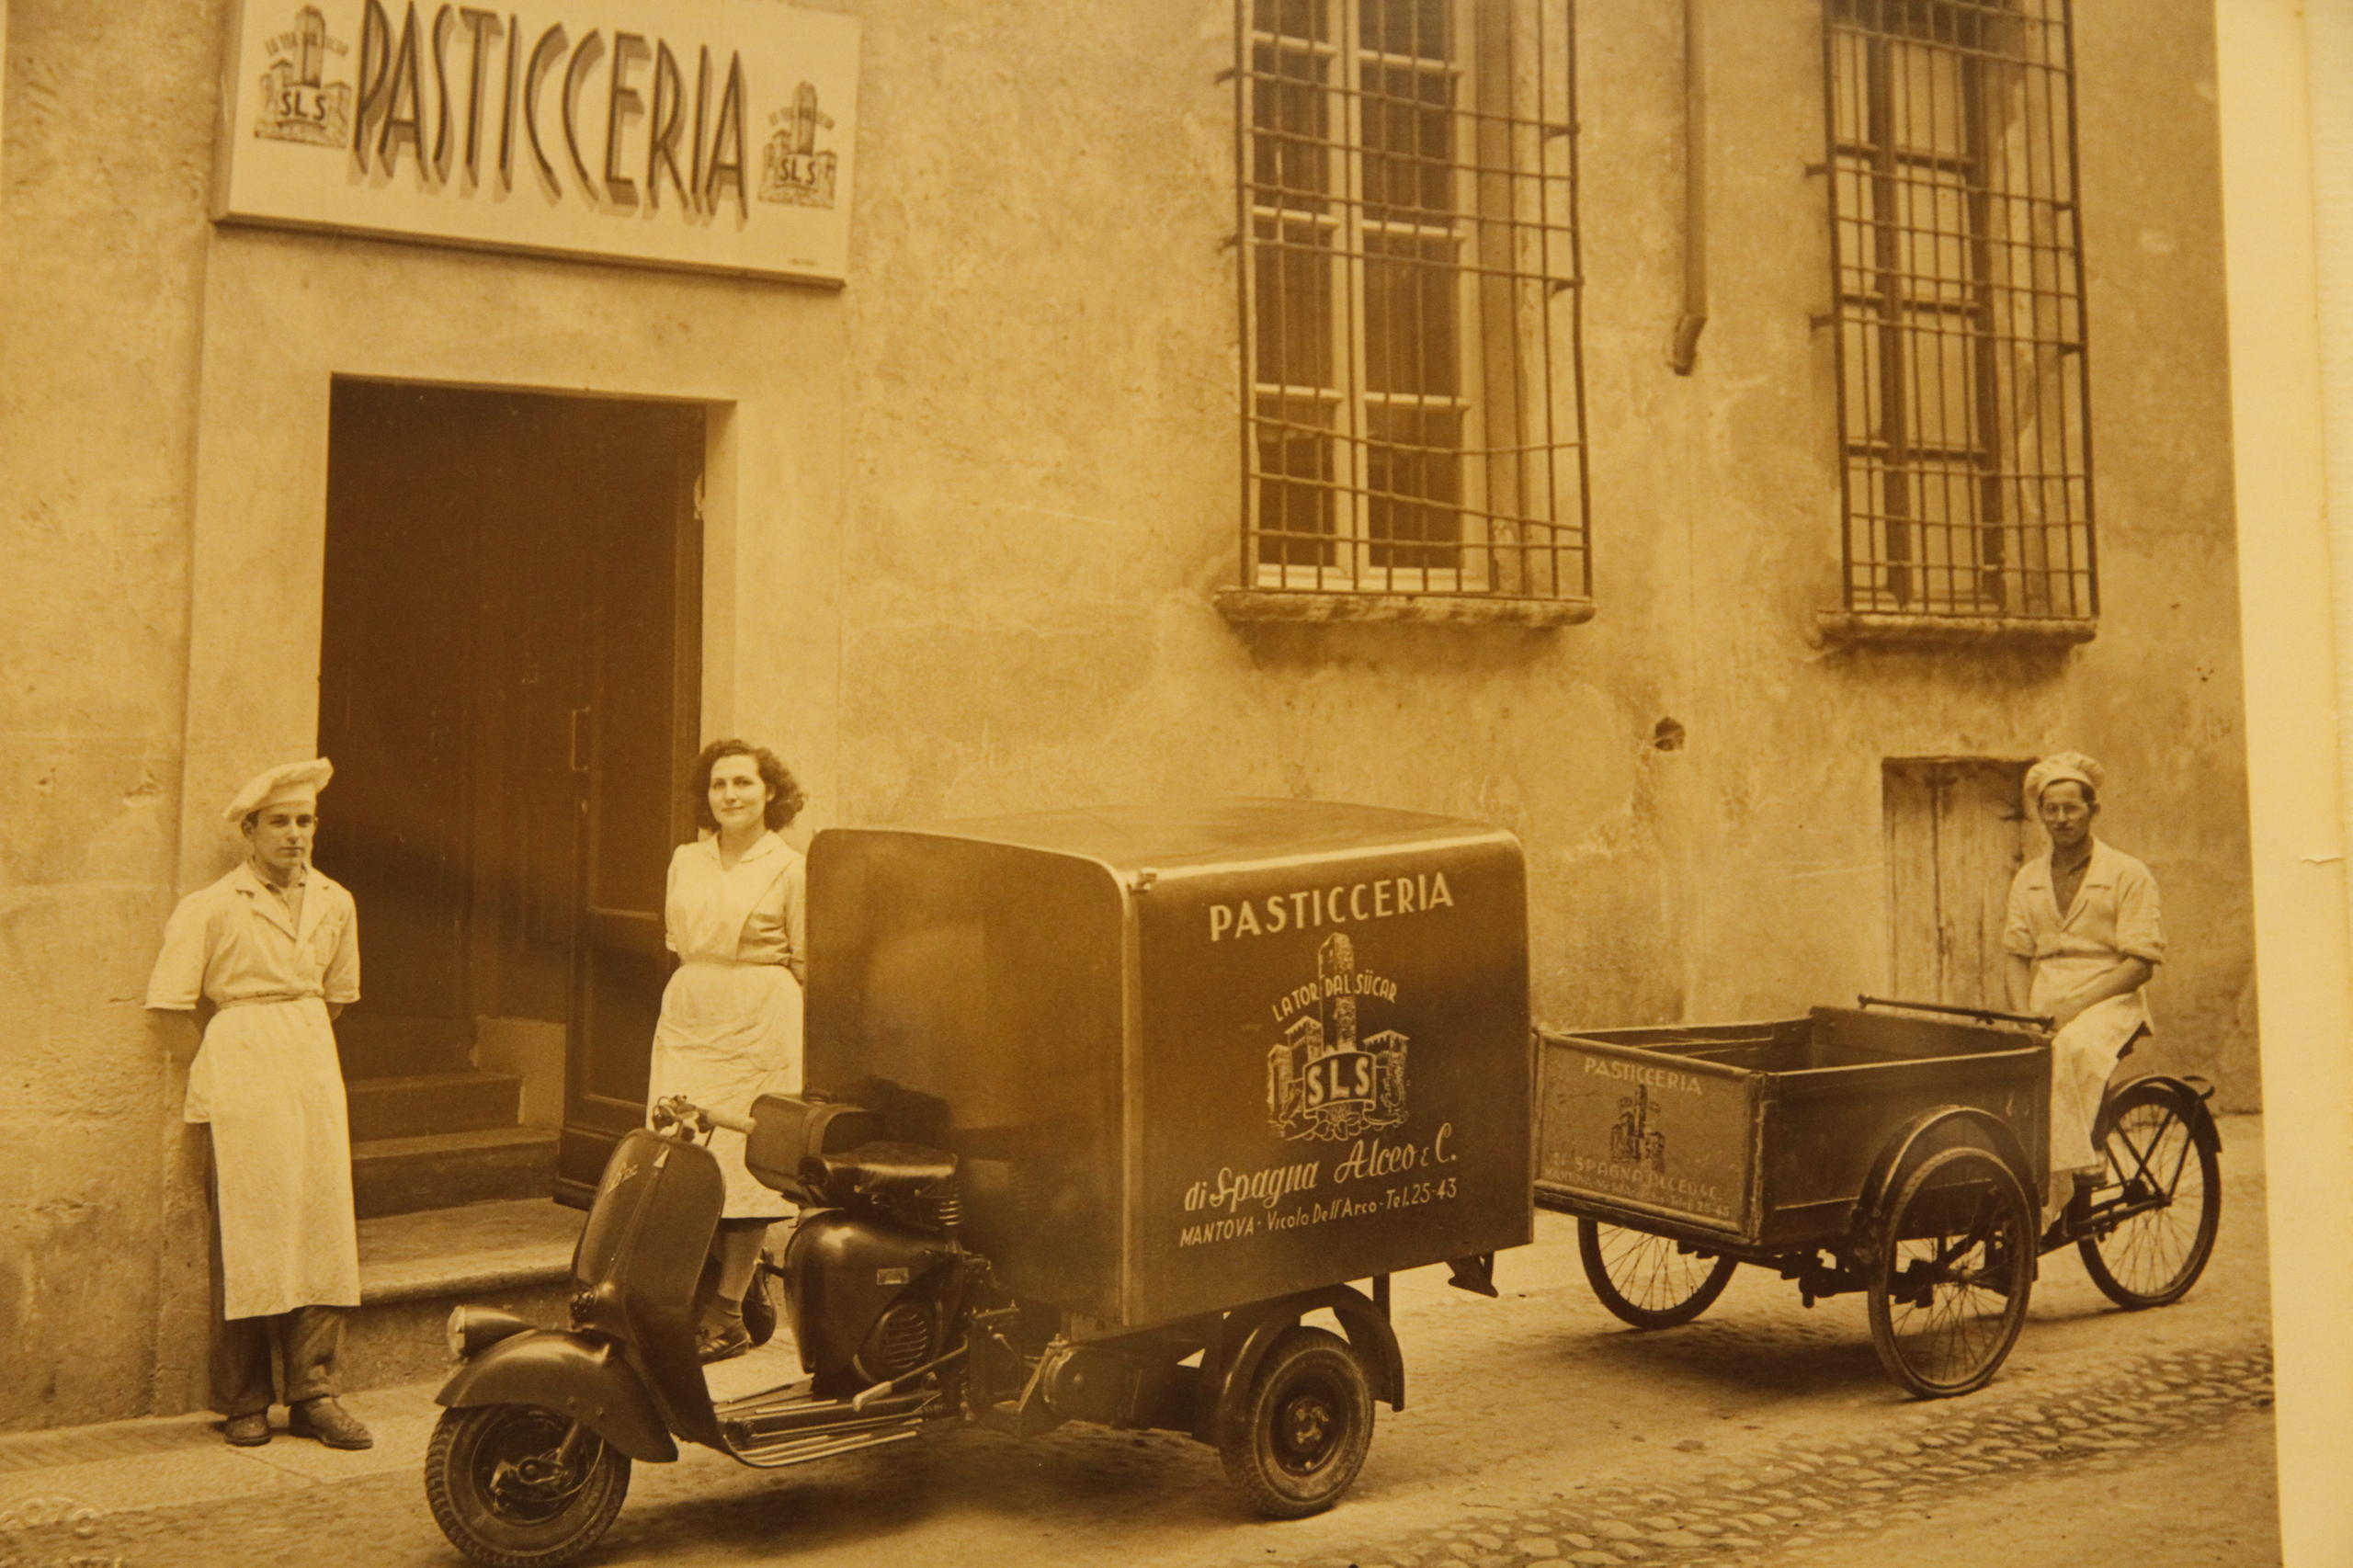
1322,1083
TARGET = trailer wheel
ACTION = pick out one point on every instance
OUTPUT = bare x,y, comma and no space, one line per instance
1294,1441
504,1489
1647,1280
1955,1262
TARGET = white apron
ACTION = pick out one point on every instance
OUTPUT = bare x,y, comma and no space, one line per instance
2083,1055
730,1029
2114,916
269,1082
270,1085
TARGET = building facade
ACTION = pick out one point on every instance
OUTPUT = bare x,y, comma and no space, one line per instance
1721,443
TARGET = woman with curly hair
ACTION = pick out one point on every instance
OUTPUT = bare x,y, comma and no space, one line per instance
731,1015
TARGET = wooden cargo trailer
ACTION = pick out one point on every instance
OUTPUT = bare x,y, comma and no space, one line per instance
1898,1148
1764,1136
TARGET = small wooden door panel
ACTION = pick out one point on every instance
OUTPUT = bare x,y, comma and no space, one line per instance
1956,835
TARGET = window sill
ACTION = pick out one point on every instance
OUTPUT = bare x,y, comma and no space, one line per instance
1846,626
1297,607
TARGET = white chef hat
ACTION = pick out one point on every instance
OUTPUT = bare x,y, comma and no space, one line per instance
290,782
2063,767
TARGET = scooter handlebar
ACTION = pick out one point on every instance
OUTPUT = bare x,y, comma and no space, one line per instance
678,1110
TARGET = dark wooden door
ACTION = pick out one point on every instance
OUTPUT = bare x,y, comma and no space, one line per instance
1956,835
510,680
395,698
629,743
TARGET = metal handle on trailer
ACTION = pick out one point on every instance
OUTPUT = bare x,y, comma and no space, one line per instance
2041,1021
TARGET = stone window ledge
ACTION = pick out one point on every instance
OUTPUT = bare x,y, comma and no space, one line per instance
1867,627
1297,607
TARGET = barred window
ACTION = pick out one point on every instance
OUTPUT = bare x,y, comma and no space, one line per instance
1413,404
1958,278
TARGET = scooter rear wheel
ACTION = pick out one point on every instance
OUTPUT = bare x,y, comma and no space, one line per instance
496,1490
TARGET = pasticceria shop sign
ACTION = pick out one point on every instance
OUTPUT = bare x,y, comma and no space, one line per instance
706,133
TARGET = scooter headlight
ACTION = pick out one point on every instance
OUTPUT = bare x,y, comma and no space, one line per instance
472,1330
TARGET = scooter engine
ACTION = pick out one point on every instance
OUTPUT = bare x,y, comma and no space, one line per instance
867,1298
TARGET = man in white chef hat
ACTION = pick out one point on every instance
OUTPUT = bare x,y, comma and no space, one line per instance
273,947
2082,937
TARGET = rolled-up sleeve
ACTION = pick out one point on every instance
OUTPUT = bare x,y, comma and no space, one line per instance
2018,924
177,980
340,983
2139,928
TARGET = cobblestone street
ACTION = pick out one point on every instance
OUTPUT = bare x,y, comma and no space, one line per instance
1824,1504
1537,1431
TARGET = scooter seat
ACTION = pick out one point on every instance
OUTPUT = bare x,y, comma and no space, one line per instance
884,1170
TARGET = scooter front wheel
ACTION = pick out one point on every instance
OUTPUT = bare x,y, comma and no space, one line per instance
515,1486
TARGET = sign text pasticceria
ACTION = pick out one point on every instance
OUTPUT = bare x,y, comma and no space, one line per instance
709,133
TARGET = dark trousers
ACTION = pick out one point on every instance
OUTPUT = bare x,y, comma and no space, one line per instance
307,1341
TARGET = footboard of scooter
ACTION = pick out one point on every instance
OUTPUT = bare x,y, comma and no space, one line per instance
573,1375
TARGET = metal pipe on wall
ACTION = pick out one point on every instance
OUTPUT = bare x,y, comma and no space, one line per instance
1694,319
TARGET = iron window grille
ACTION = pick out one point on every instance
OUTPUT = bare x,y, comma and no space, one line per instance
1958,277
1414,402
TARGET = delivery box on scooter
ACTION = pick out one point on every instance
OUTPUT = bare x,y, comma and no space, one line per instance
1189,1057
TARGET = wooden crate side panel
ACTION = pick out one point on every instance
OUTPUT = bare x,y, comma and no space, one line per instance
1647,1131
1670,1036
1911,1035
1821,1131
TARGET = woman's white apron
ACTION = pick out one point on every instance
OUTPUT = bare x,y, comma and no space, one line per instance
729,1033
730,1029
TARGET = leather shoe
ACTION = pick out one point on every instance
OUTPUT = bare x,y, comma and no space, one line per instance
721,1341
247,1431
328,1422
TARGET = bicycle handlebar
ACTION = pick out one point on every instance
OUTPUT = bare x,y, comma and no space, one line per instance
2041,1021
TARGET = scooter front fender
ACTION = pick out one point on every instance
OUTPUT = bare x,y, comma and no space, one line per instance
573,1375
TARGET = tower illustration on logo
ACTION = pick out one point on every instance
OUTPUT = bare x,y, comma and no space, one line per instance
298,103
1321,1082
1633,1140
793,169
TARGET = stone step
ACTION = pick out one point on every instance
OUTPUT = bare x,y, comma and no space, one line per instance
390,1045
514,1254
444,1170
417,1104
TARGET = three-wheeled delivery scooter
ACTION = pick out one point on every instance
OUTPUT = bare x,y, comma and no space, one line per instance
1101,1106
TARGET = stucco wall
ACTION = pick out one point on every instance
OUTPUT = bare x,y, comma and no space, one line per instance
1043,496
103,161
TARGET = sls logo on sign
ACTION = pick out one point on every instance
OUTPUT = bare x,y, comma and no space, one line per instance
1323,1081
797,170
298,103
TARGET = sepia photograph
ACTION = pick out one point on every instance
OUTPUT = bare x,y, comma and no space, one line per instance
1325,783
